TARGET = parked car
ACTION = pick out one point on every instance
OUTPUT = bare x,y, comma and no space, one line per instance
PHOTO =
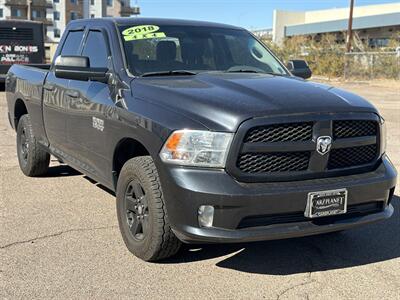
21,42
203,134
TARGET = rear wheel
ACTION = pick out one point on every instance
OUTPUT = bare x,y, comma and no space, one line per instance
142,216
33,159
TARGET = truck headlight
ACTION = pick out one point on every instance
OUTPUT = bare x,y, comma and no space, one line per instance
383,135
197,148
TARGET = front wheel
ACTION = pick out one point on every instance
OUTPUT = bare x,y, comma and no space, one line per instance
142,216
33,159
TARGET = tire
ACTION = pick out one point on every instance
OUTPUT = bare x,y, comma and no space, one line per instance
33,159
142,216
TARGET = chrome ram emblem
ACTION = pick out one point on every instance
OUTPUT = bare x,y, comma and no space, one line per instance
324,144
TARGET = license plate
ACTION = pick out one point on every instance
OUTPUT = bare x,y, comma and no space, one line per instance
326,203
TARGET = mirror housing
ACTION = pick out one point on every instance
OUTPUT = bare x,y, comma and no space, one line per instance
299,68
78,68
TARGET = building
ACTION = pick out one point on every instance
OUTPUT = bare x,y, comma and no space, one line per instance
374,24
56,14
39,10
67,10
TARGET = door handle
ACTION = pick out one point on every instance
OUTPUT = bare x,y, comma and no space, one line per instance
48,87
73,94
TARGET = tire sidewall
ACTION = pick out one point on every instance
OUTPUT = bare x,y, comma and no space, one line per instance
141,248
23,124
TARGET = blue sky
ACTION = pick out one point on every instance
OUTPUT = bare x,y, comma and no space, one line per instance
251,14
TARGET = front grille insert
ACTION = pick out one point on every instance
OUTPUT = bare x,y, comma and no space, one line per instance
280,133
274,162
354,128
288,151
355,210
352,156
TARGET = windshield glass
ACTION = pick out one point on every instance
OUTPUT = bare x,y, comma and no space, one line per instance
152,48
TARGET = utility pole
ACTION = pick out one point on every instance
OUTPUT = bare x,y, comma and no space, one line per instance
350,28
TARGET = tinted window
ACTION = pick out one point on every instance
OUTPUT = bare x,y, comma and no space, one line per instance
72,42
16,12
96,49
152,48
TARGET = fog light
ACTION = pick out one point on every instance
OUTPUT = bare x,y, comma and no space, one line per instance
206,215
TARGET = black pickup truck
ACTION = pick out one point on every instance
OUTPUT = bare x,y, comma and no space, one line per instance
203,134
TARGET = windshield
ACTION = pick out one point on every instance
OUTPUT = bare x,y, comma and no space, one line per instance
153,49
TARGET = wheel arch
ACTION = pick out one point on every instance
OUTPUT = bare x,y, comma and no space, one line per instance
20,109
126,149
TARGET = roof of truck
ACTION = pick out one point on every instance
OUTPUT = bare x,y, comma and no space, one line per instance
155,21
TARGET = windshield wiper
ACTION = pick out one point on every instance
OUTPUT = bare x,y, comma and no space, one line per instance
169,73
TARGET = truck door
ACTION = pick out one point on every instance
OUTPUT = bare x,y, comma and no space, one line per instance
55,98
90,105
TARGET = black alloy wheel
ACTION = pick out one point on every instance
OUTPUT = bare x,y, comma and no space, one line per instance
137,210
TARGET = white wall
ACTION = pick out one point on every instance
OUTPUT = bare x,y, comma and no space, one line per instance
98,9
6,9
285,18
343,13
60,7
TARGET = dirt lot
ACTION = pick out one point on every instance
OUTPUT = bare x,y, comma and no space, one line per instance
59,239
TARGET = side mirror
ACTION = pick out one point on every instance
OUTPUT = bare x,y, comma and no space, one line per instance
78,68
299,68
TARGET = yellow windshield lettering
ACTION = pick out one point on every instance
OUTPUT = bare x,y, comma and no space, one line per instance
142,32
153,35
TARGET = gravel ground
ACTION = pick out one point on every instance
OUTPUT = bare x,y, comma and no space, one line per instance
59,239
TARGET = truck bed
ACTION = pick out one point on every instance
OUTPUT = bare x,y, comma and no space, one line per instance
26,82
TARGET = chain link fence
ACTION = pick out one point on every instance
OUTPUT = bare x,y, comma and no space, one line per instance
372,65
326,57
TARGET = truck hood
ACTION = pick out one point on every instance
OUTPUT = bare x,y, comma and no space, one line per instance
222,101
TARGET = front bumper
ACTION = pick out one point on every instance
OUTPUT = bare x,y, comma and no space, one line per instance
185,189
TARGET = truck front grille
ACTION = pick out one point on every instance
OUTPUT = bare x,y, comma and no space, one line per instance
350,157
288,151
354,128
274,162
280,133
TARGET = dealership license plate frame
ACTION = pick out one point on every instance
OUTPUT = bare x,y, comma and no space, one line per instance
313,211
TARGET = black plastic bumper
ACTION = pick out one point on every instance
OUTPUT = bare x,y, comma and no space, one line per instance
186,189
275,232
